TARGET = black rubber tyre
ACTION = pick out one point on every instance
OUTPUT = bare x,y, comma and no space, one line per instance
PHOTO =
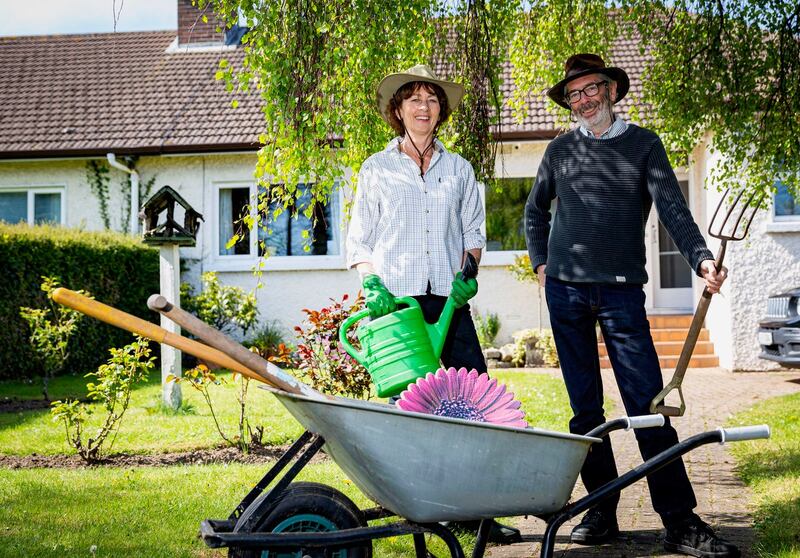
306,507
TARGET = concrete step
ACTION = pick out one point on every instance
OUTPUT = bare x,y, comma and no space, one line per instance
676,334
697,361
672,348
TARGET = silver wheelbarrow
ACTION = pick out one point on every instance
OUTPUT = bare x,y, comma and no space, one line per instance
420,468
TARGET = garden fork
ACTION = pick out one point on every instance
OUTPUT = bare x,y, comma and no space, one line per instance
734,226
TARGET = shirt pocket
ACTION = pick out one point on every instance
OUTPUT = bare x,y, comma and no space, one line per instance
446,194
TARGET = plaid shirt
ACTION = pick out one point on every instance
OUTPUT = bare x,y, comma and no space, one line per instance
412,229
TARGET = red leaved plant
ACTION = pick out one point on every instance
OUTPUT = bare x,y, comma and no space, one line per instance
323,362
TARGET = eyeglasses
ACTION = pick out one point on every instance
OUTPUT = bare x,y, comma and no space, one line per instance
590,91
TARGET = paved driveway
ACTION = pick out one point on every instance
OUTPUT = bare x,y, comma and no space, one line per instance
712,395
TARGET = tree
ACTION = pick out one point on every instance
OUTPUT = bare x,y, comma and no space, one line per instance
728,67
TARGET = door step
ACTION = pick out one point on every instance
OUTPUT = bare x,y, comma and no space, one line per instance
669,334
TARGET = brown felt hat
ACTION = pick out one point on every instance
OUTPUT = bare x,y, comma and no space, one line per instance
579,65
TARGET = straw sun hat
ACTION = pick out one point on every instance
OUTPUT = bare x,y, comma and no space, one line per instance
421,72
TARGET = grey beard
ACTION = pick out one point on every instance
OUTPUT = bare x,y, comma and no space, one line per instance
604,116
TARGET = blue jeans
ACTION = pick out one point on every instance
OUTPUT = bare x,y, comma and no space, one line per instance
575,310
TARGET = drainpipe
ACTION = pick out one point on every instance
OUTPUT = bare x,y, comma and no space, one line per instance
134,222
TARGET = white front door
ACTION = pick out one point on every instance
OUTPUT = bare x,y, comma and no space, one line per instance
670,275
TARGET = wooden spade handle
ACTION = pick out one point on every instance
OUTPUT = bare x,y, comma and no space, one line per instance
125,321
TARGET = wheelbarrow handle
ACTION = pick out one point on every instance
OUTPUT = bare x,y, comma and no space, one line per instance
126,321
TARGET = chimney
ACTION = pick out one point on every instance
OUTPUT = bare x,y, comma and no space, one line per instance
192,30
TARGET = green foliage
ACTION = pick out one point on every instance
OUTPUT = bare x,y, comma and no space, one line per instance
534,347
225,307
487,326
51,330
730,70
505,210
117,269
269,341
522,271
771,468
115,380
200,378
97,177
324,363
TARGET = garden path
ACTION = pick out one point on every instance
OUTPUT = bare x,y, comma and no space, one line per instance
712,396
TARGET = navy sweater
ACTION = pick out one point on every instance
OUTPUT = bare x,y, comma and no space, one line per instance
605,189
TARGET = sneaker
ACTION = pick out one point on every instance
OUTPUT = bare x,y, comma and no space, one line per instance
498,533
596,527
695,537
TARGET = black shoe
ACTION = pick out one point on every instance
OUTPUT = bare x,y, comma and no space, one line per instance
498,533
696,538
596,527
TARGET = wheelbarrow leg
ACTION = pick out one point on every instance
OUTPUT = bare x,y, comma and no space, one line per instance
420,550
482,537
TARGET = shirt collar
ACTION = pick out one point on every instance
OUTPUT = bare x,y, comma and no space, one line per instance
617,128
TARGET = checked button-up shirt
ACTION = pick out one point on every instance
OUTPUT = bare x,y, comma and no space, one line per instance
414,229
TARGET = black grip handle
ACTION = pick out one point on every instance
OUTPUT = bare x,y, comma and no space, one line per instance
470,269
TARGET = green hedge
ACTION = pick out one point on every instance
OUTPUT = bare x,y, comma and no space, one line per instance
116,269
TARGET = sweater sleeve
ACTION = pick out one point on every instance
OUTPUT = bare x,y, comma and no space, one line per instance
537,213
672,210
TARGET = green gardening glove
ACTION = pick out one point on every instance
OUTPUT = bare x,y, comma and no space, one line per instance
462,290
378,299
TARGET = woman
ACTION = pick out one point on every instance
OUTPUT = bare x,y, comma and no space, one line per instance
418,212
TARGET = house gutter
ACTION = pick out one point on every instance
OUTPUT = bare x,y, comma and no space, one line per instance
134,220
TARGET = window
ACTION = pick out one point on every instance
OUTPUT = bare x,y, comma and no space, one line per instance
786,207
505,213
34,206
288,234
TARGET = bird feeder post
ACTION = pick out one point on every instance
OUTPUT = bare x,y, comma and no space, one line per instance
162,230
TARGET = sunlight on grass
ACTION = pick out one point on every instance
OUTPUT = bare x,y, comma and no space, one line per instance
148,428
772,469
145,511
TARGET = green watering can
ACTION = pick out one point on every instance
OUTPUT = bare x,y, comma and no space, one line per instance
400,347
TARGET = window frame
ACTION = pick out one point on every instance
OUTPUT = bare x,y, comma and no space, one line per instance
782,223
248,262
31,192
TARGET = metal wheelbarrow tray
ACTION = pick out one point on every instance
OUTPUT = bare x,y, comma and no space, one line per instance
422,468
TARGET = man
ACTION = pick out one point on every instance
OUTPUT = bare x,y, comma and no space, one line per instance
606,175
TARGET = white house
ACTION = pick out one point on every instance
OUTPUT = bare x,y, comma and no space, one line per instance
69,100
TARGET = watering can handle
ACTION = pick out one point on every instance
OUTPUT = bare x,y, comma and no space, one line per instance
357,317
438,331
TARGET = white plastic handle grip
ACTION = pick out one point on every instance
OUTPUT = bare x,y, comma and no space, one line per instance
645,421
740,433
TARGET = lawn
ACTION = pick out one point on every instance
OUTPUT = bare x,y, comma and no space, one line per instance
772,469
156,511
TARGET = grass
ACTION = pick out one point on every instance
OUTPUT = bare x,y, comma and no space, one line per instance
772,469
156,511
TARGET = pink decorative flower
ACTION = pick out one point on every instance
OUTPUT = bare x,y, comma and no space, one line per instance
462,394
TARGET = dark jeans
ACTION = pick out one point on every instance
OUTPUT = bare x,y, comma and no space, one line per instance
461,346
575,310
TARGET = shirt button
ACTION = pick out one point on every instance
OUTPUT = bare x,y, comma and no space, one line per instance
427,252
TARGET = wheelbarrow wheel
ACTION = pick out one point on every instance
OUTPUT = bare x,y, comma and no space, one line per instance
306,507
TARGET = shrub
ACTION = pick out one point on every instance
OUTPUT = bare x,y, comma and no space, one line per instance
323,361
535,347
115,380
269,341
51,330
117,269
225,307
487,328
